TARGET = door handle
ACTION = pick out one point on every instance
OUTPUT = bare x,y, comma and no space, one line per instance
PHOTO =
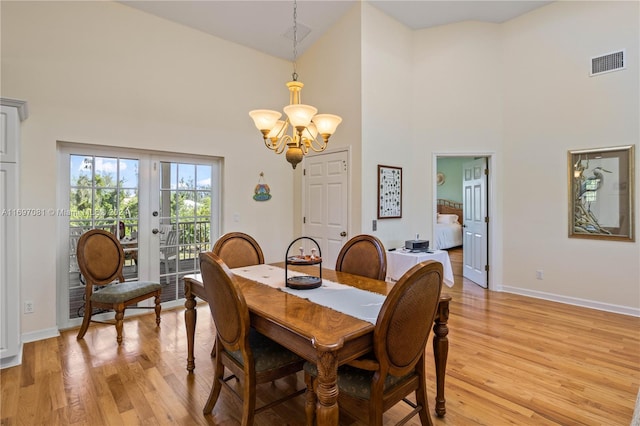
156,231
343,234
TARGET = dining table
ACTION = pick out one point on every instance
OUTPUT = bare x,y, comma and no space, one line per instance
320,334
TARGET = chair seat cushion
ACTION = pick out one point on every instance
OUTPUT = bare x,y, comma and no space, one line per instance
118,293
356,382
267,354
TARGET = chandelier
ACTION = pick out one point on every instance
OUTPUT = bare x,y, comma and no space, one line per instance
305,123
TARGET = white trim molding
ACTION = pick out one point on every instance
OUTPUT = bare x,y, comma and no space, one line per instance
576,301
23,110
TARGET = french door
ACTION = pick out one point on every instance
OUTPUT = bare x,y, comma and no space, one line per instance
163,209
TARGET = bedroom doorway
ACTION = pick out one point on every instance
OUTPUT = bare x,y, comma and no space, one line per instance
468,199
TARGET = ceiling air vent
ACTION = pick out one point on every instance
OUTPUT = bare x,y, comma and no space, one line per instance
607,63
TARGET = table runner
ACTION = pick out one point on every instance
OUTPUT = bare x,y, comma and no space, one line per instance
361,304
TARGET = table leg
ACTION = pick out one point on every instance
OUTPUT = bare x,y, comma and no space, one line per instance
441,351
190,318
327,389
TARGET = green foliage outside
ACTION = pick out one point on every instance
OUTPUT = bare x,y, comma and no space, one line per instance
108,202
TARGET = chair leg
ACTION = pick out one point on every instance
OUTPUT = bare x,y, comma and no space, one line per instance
86,319
158,308
119,321
311,399
218,376
213,350
248,398
421,397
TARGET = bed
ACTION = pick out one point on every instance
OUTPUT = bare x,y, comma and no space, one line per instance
448,231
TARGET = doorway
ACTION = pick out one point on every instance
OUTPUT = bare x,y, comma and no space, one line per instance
163,208
463,180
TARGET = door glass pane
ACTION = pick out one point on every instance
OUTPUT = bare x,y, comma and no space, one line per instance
185,223
103,194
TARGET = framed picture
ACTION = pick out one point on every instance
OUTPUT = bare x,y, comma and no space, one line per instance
601,193
389,192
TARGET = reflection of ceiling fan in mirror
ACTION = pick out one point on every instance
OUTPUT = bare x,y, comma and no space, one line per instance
440,178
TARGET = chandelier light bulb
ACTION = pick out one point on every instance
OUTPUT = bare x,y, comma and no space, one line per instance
310,132
326,123
277,129
300,115
265,119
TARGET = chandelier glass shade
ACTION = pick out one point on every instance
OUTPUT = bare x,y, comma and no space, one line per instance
298,133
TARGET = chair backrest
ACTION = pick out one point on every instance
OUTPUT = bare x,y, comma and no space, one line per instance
100,257
171,243
237,249
226,302
405,319
363,255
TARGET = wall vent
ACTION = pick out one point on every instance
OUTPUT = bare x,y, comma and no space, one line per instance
606,63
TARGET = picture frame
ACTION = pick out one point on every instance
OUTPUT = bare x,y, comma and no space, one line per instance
389,192
601,204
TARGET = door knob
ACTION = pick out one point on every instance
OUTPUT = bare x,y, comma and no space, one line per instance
156,231
343,234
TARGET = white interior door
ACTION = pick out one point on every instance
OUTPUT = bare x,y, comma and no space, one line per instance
325,206
474,189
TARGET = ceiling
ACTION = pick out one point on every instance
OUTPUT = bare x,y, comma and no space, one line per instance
263,24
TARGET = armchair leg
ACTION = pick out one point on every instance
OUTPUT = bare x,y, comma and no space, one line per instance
216,387
248,399
158,308
86,319
119,321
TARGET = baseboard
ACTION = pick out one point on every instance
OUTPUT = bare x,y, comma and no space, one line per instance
618,309
12,361
46,333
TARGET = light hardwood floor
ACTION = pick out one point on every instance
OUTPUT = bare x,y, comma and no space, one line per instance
512,360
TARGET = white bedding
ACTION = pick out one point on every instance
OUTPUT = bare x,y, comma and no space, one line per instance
448,235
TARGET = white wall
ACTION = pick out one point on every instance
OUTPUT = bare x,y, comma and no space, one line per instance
330,70
386,125
457,110
521,91
551,106
103,73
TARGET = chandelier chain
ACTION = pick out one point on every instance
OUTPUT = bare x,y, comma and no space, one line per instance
309,131
294,76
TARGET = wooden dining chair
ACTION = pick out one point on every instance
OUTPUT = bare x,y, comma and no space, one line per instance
237,249
101,259
369,386
249,355
363,255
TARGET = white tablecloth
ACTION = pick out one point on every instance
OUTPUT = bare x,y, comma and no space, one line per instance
400,261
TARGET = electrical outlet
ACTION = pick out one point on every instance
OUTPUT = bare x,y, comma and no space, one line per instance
540,274
28,306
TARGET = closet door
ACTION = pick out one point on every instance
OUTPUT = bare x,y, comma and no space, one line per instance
9,238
